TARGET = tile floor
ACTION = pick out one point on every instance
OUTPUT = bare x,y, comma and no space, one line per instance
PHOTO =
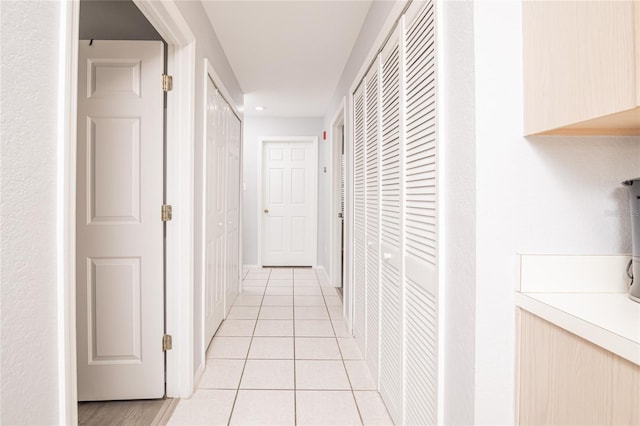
284,357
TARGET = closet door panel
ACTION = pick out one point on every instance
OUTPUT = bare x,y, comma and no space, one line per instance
391,312
372,205
233,208
359,219
420,218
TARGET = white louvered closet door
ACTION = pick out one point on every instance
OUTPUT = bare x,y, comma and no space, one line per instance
372,205
421,217
391,307
359,219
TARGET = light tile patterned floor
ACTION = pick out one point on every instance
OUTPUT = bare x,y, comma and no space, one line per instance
284,357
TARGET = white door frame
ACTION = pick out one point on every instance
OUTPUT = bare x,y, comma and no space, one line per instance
335,153
314,140
170,24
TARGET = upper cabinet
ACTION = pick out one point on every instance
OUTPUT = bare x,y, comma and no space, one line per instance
581,67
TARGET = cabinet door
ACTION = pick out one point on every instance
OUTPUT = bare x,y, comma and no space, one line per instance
372,206
391,306
359,219
421,218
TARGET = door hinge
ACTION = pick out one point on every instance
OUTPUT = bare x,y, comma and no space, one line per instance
167,83
165,214
166,342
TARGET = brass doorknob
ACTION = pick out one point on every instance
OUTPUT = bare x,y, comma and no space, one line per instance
266,210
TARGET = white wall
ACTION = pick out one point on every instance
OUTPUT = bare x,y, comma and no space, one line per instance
458,236
536,195
28,248
207,46
255,127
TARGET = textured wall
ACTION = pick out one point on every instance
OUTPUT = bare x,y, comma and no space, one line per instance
29,345
254,127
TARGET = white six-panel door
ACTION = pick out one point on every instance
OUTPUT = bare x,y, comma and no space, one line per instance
288,193
215,210
120,313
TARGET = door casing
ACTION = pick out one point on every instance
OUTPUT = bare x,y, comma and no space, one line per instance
335,153
314,196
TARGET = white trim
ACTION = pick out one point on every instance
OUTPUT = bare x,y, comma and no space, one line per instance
217,81
251,266
314,141
66,211
171,25
339,119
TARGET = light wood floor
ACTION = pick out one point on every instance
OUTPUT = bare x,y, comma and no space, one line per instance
131,413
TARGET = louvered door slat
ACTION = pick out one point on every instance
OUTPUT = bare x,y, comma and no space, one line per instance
372,130
420,218
359,217
391,307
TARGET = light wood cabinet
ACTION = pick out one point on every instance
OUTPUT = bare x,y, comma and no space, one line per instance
566,380
581,67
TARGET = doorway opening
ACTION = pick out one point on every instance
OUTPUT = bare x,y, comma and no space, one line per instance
337,202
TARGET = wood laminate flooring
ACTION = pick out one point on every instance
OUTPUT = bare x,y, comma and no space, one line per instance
130,413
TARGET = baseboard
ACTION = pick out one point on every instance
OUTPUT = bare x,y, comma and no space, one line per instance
323,276
200,371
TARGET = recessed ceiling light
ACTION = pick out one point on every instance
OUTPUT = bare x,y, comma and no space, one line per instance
260,108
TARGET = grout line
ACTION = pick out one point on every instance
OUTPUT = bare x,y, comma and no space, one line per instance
295,377
233,406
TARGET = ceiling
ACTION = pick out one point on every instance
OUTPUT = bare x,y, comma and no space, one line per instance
288,56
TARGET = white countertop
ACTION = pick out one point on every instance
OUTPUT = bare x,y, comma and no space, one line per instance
609,320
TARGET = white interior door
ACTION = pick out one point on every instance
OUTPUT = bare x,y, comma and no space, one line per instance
359,221
372,211
420,217
391,288
233,209
215,210
120,300
288,203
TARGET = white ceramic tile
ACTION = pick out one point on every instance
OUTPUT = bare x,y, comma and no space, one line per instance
281,283
317,348
277,301
313,328
243,312
264,408
333,301
349,348
359,375
326,408
254,291
267,374
229,347
305,283
308,291
246,300
276,313
221,374
271,348
372,409
281,275
205,407
236,328
311,312
253,282
308,300
299,273
321,375
274,328
252,275
335,312
340,328
279,291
